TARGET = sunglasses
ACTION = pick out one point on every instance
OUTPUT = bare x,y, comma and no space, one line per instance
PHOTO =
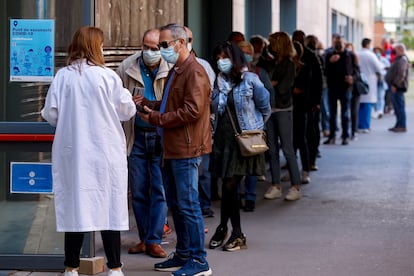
165,44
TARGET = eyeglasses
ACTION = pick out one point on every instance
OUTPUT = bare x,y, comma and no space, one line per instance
165,44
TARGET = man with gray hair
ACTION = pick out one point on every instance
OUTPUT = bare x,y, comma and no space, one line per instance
183,119
397,80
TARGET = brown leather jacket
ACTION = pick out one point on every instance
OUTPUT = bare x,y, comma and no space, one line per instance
186,119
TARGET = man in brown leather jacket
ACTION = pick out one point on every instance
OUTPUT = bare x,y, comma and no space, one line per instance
183,118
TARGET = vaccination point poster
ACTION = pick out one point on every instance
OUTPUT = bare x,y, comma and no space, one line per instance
32,48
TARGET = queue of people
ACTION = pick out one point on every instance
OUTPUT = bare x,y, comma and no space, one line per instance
165,128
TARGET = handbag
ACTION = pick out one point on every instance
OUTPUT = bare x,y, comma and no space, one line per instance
251,142
361,85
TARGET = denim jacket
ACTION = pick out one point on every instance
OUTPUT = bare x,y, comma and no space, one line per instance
251,101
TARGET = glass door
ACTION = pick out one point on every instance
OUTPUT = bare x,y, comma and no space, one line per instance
28,237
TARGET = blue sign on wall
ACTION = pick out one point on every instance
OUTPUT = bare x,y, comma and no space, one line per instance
31,178
32,48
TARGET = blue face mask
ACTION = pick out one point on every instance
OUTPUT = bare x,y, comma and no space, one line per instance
151,57
248,58
169,55
224,65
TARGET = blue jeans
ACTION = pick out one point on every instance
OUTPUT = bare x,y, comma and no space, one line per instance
325,115
280,126
364,115
398,102
204,183
250,183
380,105
146,184
181,186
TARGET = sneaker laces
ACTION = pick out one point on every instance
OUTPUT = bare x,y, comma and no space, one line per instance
171,256
233,238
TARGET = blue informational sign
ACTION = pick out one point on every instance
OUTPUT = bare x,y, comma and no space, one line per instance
31,178
32,48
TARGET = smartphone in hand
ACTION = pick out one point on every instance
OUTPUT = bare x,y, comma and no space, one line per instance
141,109
139,91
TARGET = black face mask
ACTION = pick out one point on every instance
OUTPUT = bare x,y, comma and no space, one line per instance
338,46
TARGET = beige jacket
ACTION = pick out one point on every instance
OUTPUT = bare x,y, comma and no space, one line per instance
130,73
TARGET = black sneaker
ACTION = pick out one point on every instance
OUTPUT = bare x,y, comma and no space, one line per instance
218,238
236,242
208,213
249,206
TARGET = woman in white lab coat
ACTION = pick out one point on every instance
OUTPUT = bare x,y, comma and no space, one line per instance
87,102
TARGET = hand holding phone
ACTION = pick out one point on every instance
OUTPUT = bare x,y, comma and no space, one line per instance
141,109
139,91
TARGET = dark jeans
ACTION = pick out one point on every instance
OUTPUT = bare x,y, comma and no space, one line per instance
344,96
398,102
299,137
354,113
313,136
111,242
181,186
250,183
146,184
325,115
204,183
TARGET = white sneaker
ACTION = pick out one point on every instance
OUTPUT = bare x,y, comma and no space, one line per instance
71,273
115,273
285,178
305,177
273,192
293,194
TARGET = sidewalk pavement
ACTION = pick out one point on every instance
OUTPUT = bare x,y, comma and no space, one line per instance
354,218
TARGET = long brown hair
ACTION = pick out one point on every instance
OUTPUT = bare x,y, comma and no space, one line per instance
298,57
87,44
281,45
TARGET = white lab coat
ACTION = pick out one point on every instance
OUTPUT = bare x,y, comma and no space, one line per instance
370,66
89,160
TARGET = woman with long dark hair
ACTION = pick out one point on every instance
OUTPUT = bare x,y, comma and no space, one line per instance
280,124
241,95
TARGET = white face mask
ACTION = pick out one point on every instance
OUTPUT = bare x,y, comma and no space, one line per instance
151,57
189,47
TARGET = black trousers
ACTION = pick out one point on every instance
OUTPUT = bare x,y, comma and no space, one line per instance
313,135
111,242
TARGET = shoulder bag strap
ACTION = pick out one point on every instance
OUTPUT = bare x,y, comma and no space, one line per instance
232,121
